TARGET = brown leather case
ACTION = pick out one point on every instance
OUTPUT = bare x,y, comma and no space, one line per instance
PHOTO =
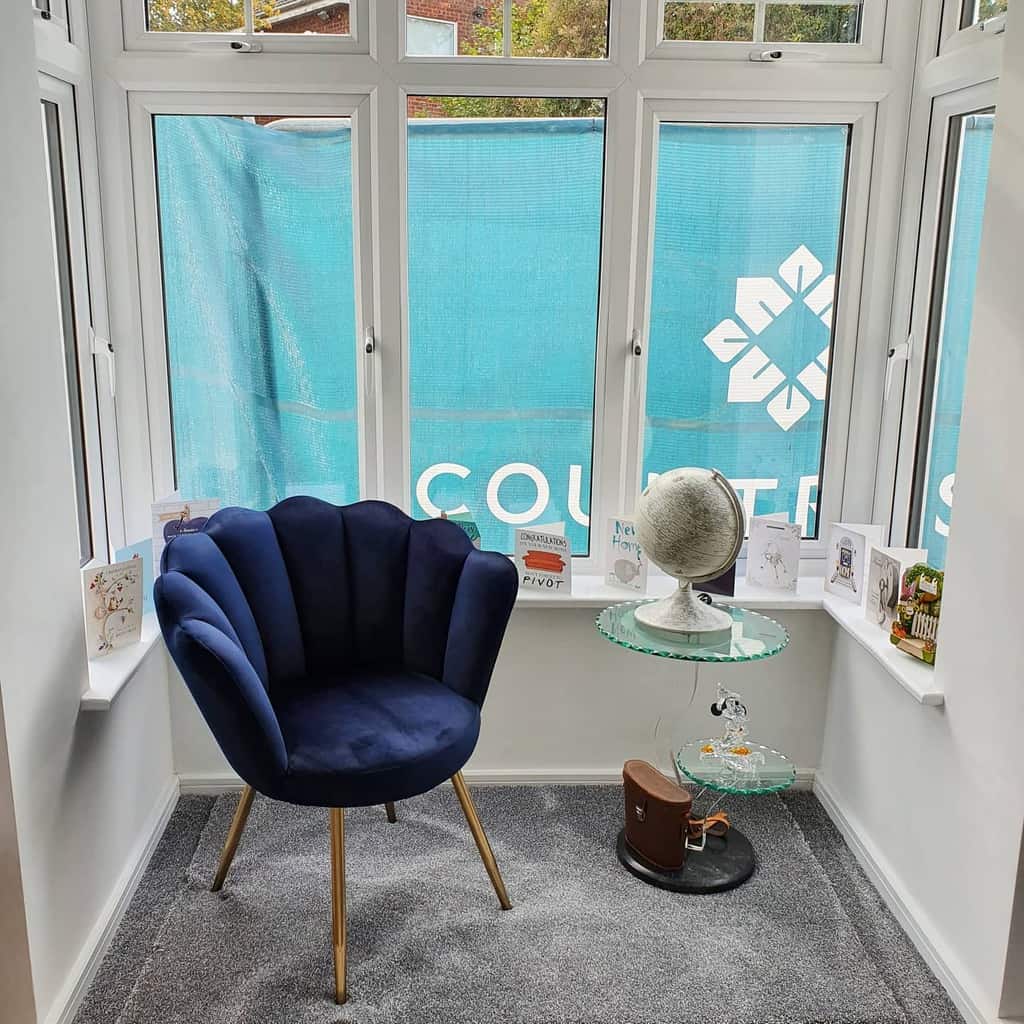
657,815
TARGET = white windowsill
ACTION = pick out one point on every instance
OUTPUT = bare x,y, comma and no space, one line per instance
593,592
108,676
917,678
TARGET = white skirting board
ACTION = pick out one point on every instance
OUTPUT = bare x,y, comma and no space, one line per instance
68,1000
903,907
227,782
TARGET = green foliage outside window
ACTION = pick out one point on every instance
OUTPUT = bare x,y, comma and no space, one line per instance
206,15
784,22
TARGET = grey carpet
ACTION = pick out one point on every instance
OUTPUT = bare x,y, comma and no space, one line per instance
805,941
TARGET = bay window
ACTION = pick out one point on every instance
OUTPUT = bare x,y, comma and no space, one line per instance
504,261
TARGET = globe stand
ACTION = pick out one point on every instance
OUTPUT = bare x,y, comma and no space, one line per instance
685,619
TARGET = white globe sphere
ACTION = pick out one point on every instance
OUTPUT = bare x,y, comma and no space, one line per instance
690,523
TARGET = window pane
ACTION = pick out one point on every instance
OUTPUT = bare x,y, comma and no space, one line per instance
980,10
560,28
259,297
195,15
812,23
709,22
747,230
478,27
69,337
971,143
302,17
429,37
504,253
537,28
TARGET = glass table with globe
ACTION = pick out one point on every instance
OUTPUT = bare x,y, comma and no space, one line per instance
712,768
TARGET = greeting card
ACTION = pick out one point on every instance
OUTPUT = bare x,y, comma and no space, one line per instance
544,561
173,517
625,562
885,569
846,558
773,553
113,606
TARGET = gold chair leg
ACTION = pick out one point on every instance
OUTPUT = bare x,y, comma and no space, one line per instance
486,854
234,834
390,808
338,902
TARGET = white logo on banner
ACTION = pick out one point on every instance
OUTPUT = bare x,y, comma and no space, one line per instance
759,302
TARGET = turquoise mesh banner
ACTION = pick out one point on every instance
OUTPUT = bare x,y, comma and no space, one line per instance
747,227
504,254
504,251
954,335
256,230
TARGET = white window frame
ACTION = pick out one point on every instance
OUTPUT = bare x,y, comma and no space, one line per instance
955,35
928,291
374,88
137,37
142,109
868,50
62,59
850,265
964,74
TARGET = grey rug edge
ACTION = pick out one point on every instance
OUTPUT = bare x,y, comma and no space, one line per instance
904,971
159,888
915,988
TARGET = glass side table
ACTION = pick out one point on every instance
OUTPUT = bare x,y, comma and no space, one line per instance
726,764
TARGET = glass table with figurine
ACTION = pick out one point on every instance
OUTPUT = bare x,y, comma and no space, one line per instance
719,857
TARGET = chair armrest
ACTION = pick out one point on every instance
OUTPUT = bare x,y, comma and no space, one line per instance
222,680
484,598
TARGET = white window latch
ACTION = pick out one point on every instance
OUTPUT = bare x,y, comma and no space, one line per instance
369,347
635,348
897,354
103,347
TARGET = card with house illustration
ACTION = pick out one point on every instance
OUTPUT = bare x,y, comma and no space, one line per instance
112,596
846,559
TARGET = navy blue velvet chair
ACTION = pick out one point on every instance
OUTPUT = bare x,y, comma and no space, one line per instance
340,657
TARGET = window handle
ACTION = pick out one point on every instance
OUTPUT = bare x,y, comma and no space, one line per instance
897,354
635,348
42,8
369,347
104,347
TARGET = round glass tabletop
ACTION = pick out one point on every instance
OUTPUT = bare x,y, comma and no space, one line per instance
754,636
751,769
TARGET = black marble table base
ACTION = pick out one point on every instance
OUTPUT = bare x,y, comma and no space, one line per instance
724,863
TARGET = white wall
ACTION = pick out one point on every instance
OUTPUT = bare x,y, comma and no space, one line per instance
939,794
84,786
565,701
15,964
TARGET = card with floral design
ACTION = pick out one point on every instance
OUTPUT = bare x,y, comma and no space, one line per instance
113,606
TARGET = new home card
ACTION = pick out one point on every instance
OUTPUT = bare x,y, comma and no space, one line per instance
626,564
544,561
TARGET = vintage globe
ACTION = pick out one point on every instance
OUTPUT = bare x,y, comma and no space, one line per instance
690,523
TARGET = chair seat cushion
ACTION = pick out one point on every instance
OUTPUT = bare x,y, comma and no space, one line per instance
371,736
